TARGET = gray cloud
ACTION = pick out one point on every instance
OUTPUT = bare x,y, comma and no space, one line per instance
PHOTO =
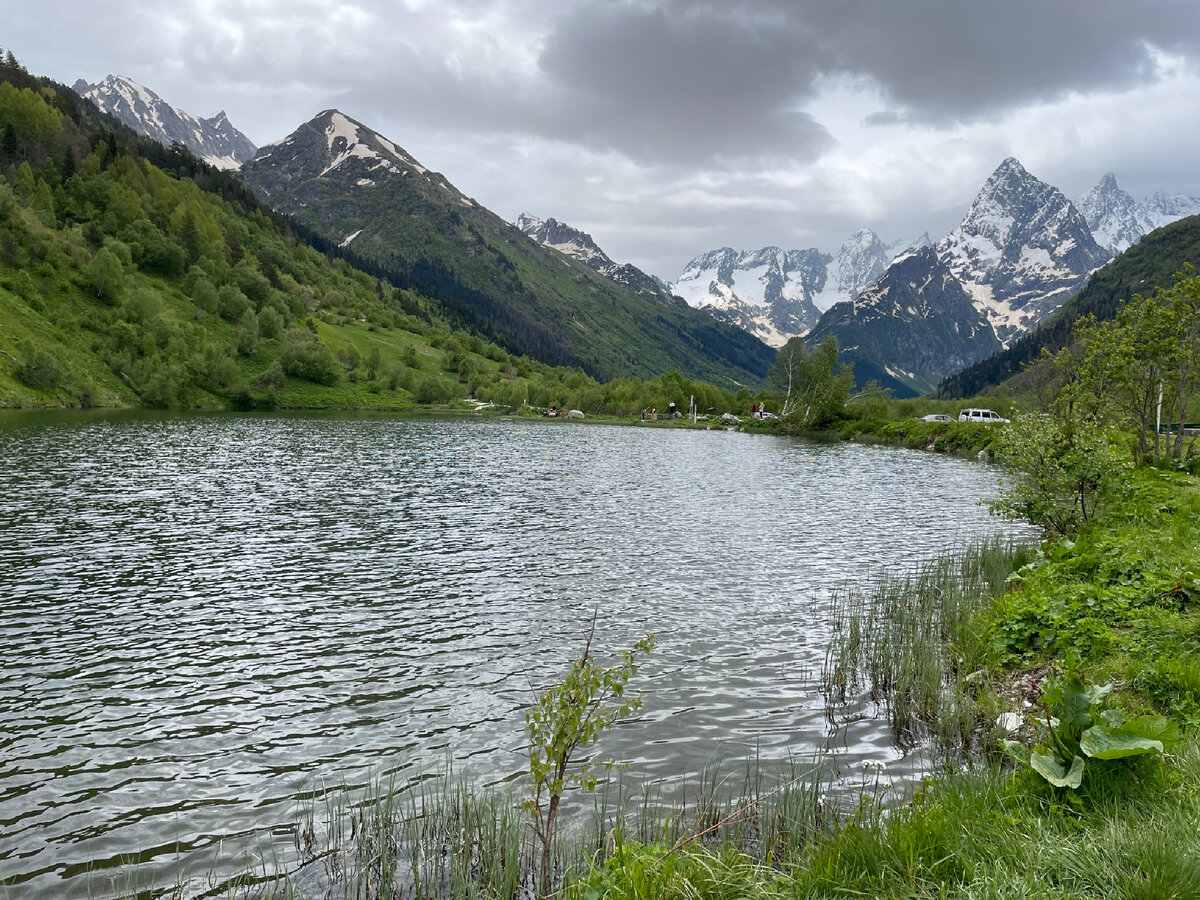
949,60
684,81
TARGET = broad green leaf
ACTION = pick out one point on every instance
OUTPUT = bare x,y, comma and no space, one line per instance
1155,728
1054,771
1099,693
1106,743
1113,718
1074,709
1017,751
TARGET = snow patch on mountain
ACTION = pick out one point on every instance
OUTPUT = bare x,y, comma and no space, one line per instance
213,140
578,245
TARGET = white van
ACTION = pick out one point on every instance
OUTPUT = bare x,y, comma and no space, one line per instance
980,415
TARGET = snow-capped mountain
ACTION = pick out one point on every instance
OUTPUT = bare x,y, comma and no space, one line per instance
1118,221
768,292
863,257
579,245
1161,208
915,324
334,144
214,139
1021,250
778,294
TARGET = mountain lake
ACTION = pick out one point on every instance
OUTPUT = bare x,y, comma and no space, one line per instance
210,619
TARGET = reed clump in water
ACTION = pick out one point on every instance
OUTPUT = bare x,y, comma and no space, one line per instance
912,644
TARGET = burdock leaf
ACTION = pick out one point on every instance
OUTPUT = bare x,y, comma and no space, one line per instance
1054,771
1099,742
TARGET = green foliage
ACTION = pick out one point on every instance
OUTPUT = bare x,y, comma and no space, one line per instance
1080,726
814,387
1141,366
565,718
303,355
247,333
1060,471
106,276
39,368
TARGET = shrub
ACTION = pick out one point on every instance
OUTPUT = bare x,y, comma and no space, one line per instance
304,356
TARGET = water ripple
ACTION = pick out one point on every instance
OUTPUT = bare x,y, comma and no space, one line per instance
207,618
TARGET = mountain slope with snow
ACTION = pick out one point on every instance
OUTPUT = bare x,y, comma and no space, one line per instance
915,325
214,139
779,294
359,190
767,292
579,245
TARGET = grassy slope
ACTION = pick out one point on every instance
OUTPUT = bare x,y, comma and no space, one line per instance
193,261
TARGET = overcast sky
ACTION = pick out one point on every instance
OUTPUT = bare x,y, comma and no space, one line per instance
666,128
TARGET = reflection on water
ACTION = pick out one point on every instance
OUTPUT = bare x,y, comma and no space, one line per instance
207,617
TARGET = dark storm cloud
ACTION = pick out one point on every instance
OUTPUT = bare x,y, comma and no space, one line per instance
711,78
684,81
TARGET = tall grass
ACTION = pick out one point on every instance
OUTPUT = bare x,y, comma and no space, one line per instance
446,837
911,643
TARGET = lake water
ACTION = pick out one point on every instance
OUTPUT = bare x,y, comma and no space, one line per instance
206,618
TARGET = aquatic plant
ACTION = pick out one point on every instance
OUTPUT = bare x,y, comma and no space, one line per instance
912,643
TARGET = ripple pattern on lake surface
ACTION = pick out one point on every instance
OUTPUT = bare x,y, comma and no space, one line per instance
205,618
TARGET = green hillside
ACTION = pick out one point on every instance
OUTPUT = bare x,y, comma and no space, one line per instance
413,226
1142,269
135,275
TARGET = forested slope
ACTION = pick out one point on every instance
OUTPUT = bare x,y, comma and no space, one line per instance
135,275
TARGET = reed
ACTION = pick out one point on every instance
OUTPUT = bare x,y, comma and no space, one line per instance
910,643
444,836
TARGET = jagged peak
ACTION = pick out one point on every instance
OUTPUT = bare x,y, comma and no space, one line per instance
863,235
1010,166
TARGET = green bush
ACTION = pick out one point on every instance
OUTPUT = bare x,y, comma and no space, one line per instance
302,355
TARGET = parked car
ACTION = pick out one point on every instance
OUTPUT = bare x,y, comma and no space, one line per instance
980,415
935,417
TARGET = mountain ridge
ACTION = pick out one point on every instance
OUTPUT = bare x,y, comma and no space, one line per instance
358,188
579,245
214,139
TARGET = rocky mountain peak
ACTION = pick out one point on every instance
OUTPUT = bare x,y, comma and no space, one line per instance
1021,250
332,145
1115,219
214,139
579,245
